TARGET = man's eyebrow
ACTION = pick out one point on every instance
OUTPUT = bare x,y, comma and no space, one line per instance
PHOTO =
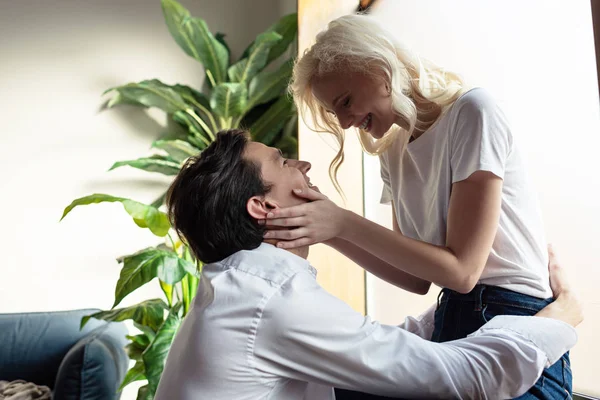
277,155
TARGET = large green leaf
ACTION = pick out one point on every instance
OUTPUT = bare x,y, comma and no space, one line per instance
247,68
194,37
287,27
136,373
269,84
142,267
148,313
144,216
179,150
151,93
155,355
229,99
266,128
160,164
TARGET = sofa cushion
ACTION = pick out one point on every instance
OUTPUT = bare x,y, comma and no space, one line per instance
94,367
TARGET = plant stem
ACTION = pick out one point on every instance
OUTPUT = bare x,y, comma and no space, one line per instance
185,288
176,287
211,78
225,122
206,112
193,284
173,243
199,120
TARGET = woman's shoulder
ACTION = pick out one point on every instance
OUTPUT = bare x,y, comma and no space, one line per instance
475,100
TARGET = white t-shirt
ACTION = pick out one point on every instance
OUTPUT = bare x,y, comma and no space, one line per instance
473,135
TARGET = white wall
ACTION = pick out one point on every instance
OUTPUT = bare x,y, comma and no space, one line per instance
57,57
537,58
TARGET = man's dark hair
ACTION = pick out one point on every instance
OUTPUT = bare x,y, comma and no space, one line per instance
207,200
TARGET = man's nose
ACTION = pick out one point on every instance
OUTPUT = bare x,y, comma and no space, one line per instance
302,166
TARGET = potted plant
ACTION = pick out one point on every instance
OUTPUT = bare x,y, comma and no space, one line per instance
250,93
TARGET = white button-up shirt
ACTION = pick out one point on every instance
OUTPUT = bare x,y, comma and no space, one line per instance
261,327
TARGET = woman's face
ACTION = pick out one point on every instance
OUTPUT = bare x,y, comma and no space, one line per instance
356,100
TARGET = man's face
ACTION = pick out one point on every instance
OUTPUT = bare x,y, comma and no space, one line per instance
283,175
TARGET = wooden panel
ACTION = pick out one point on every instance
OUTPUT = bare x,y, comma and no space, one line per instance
337,274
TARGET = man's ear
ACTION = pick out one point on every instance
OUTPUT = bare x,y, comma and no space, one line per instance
259,207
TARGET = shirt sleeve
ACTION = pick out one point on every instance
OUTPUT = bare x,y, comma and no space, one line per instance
307,334
423,325
386,193
481,139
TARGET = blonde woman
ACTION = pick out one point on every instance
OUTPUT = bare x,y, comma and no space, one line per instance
465,215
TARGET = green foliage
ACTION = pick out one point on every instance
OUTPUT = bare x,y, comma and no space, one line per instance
247,93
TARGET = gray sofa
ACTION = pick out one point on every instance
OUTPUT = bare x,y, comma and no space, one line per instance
49,349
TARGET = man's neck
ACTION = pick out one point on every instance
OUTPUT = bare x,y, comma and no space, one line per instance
300,251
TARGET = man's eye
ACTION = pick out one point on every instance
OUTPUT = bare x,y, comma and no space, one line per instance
347,102
285,162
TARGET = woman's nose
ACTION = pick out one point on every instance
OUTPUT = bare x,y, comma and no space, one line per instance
345,121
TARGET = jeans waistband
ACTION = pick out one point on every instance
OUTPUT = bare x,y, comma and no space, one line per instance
486,294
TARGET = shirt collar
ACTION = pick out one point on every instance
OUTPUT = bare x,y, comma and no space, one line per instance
276,252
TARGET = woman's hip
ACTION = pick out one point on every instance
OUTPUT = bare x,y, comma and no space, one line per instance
458,315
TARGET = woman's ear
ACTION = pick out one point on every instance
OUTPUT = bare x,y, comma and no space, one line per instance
259,207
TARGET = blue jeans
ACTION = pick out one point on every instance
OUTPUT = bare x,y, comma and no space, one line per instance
459,315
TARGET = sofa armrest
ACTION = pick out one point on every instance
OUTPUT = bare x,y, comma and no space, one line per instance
95,366
34,344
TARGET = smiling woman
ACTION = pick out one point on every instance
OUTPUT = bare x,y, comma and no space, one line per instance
518,65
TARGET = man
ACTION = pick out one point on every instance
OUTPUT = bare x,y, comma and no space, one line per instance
261,327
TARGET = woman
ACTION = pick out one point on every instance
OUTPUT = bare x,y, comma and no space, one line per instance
465,215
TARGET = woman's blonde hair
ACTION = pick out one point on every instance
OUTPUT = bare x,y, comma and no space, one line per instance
358,43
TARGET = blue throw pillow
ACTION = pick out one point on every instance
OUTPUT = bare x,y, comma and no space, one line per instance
94,367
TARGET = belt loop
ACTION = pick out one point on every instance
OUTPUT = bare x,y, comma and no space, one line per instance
479,289
439,297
